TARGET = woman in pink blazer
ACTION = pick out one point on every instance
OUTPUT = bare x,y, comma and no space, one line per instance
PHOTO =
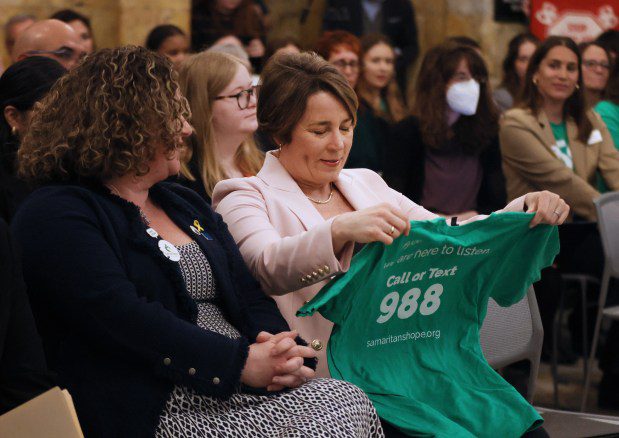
298,220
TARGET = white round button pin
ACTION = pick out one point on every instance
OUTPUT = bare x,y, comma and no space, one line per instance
169,250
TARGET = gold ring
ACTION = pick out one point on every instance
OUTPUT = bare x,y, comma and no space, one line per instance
391,230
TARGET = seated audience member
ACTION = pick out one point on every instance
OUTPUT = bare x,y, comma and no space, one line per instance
81,24
298,220
222,100
13,28
343,50
446,155
380,103
21,86
170,41
608,109
519,52
596,65
213,19
282,45
609,39
53,39
393,18
23,373
148,314
552,142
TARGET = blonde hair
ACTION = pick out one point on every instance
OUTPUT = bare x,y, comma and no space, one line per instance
202,78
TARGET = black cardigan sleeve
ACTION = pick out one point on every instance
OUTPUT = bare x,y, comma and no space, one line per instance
71,266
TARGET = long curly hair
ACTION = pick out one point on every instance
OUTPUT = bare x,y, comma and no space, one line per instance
107,117
474,132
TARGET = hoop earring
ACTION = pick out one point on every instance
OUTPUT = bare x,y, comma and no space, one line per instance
14,131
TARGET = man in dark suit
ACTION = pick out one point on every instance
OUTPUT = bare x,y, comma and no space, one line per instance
393,18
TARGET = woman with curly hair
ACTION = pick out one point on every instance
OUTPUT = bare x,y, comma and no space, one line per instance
219,89
147,312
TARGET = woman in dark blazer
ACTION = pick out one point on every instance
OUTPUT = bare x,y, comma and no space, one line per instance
147,311
446,156
23,372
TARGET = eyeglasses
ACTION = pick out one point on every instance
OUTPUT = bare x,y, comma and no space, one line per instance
340,63
592,63
242,97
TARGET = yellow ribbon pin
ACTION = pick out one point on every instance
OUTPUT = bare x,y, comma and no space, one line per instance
197,225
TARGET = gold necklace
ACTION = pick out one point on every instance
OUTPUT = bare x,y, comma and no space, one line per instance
316,201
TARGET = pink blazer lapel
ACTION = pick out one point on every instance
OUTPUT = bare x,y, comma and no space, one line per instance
354,191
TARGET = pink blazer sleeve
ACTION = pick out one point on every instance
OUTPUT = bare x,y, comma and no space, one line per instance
282,263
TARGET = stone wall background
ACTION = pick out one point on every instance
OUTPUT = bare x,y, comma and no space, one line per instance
118,22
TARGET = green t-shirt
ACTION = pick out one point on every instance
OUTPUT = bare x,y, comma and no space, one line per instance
561,148
609,112
407,318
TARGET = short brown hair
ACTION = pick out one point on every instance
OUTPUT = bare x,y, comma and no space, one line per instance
333,41
289,81
105,118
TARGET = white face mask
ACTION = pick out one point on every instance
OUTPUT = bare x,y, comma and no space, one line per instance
462,97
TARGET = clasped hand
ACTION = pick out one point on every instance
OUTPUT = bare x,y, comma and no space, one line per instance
276,362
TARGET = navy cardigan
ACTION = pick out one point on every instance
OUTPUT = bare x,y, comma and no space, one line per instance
117,323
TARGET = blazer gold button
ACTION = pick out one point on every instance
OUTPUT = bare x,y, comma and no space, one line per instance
327,269
192,371
316,344
308,277
167,361
216,380
321,271
315,274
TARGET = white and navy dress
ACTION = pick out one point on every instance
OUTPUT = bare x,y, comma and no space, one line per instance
319,408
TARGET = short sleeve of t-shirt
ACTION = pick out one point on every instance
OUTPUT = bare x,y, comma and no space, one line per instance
523,256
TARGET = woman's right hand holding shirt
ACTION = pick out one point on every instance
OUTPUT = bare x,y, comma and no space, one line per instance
381,223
